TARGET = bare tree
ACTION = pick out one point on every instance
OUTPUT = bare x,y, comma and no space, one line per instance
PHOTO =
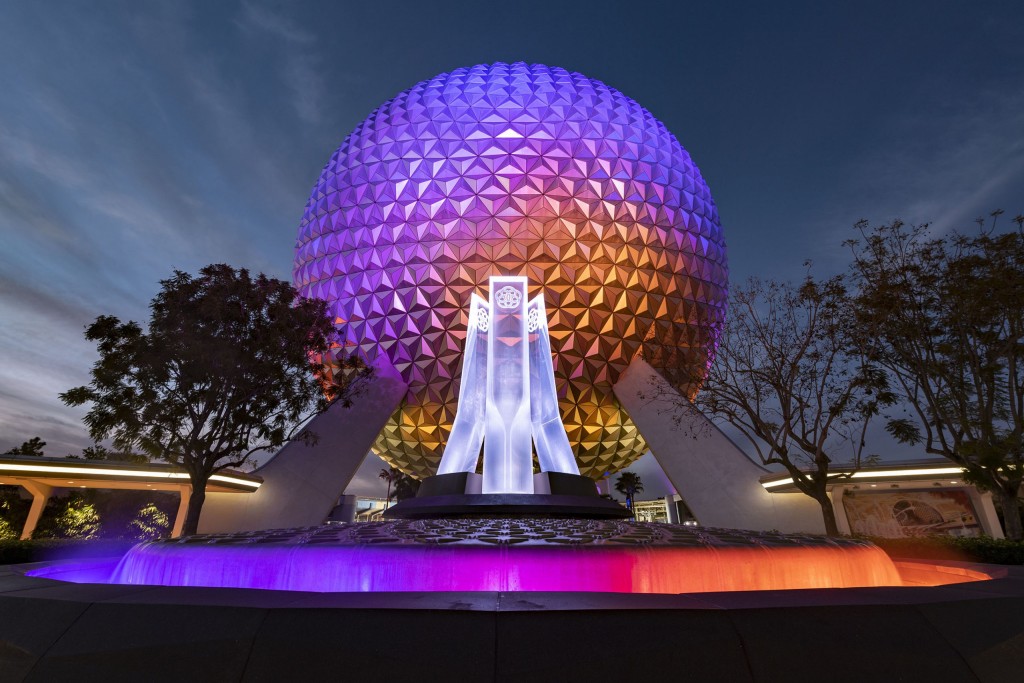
792,377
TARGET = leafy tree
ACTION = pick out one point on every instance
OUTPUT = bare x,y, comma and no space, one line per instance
629,484
150,522
948,316
70,517
230,365
100,452
11,513
792,376
13,509
94,452
33,446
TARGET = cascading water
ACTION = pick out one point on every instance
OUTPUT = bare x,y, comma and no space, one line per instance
507,554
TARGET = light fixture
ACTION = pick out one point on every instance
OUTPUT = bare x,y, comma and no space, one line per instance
877,474
147,474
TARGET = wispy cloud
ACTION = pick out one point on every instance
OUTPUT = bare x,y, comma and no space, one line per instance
261,18
944,167
300,67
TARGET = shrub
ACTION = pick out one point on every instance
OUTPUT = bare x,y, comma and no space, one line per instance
149,523
7,532
74,518
963,548
14,551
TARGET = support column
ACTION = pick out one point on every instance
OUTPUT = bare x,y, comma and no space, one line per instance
303,481
719,483
842,521
671,510
985,507
185,491
40,494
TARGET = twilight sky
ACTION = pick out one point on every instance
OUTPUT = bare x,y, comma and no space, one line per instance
136,138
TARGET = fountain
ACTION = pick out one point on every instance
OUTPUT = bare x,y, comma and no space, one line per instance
505,171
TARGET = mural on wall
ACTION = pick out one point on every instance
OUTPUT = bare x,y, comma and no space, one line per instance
895,514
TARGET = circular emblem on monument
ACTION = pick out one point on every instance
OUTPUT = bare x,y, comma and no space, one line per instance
483,319
508,297
533,320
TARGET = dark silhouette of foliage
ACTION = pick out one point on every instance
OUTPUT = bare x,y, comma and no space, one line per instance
389,475
629,484
33,446
405,486
100,452
229,365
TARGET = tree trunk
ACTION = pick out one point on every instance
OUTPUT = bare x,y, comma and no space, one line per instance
828,514
195,506
1011,513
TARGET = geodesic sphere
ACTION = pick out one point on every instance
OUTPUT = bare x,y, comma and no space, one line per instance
515,169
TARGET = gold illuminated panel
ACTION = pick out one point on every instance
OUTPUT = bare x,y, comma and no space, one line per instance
517,170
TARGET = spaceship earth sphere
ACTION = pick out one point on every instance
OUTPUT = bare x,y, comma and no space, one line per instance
516,169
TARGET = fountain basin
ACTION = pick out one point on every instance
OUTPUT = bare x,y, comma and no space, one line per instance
507,554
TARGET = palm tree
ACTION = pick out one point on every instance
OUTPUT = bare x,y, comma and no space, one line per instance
390,476
629,484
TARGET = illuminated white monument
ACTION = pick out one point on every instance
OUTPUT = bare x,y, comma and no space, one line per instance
507,399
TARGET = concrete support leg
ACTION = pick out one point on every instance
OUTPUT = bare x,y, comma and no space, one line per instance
302,483
719,483
179,519
40,494
985,506
842,521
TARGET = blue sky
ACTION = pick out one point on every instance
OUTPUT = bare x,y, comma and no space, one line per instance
136,138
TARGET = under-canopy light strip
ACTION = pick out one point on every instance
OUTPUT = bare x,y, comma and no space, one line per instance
149,474
889,474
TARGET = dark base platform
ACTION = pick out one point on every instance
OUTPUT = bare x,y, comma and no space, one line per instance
458,494
483,504
52,631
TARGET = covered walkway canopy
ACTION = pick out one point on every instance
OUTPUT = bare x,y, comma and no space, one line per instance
41,475
910,479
